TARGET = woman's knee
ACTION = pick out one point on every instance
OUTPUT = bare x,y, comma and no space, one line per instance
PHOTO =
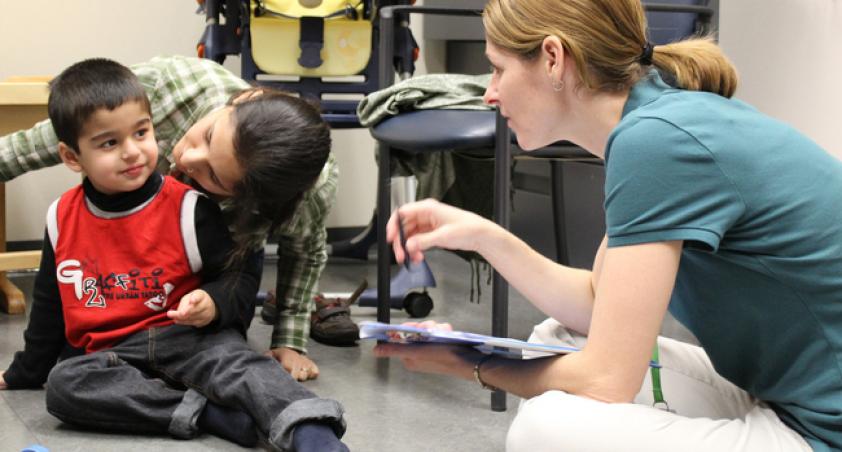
551,332
554,421
558,421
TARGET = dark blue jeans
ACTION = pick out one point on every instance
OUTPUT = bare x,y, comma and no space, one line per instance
158,381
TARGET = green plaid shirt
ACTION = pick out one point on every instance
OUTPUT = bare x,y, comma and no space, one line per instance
183,90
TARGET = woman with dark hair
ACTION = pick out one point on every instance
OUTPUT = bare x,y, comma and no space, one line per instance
264,155
715,211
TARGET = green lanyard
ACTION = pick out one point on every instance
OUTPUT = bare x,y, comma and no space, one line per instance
657,392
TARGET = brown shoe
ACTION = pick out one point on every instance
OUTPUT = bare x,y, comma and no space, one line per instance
331,322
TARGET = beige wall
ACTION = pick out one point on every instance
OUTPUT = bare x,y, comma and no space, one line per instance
789,56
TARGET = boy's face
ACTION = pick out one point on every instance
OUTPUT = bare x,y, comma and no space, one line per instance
117,149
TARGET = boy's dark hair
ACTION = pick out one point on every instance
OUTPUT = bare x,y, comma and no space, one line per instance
84,88
282,143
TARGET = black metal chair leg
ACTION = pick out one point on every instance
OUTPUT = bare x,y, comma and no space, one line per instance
500,288
384,205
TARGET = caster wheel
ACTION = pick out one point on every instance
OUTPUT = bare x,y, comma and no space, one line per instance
418,304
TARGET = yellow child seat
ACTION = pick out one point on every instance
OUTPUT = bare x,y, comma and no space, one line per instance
310,38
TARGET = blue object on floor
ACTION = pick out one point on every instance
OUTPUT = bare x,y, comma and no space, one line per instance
35,448
401,294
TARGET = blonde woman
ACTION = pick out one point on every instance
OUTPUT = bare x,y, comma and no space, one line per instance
724,216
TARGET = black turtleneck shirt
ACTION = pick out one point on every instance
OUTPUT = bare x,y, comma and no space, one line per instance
233,290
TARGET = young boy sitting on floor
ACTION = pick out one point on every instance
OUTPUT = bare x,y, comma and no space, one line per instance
135,273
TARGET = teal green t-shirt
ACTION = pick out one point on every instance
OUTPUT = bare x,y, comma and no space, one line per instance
759,207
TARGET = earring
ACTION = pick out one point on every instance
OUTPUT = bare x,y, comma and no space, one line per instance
558,85
189,170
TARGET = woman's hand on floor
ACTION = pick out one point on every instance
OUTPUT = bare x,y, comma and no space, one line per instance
297,364
3,384
454,360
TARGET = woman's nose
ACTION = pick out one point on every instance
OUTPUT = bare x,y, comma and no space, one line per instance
490,96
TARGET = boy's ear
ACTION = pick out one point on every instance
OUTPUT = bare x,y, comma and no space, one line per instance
69,157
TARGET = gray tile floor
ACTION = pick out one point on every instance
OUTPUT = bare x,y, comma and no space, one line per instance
388,408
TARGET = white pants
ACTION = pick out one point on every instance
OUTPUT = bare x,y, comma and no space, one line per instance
707,413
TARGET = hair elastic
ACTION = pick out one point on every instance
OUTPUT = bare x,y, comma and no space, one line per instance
646,57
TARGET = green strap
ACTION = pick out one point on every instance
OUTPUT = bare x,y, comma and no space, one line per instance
657,392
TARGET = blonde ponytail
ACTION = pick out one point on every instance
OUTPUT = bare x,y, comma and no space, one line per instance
698,65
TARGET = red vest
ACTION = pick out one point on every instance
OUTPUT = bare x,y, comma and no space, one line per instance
119,273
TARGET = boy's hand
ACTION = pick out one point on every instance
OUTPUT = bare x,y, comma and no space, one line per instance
3,384
196,309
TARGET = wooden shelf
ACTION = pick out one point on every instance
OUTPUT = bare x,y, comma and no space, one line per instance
23,102
19,260
23,93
